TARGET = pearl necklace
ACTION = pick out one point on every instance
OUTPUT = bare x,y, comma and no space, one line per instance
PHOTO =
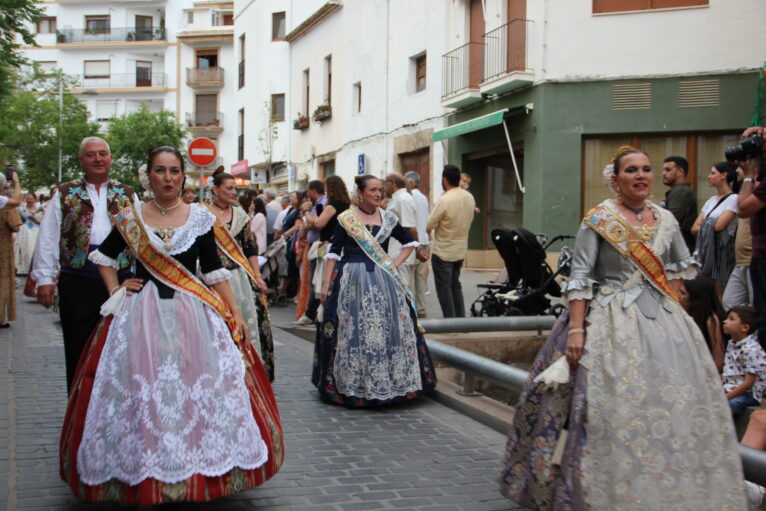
164,211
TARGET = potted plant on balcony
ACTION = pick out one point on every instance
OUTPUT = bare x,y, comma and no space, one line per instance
322,113
301,122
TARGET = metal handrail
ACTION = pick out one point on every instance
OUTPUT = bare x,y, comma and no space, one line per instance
498,324
506,48
109,35
512,378
150,79
462,68
204,119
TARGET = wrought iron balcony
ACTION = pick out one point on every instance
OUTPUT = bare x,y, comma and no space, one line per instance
505,48
123,80
204,119
462,68
109,35
212,76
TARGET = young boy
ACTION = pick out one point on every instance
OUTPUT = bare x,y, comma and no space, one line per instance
744,366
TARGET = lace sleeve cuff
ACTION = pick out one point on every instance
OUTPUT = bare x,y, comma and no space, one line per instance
411,244
684,269
332,255
578,289
216,276
98,258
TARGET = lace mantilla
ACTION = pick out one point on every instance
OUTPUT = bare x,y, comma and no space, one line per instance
199,222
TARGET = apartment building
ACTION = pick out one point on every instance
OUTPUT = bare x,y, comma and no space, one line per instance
365,88
207,73
543,93
261,94
122,54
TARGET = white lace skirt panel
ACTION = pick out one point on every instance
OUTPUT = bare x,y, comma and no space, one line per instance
243,293
25,247
169,398
376,355
659,433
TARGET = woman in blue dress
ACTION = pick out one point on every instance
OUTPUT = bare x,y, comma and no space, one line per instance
369,350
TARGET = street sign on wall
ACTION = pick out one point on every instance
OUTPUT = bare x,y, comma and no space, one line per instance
361,166
239,168
202,151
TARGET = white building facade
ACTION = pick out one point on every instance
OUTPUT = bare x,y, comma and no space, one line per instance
124,52
365,88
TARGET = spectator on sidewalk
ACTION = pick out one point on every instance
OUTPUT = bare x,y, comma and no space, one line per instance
465,184
744,368
318,199
258,225
402,205
739,288
284,201
419,275
679,198
14,200
449,224
10,221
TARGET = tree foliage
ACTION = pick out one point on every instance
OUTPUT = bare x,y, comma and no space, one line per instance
131,136
15,17
29,133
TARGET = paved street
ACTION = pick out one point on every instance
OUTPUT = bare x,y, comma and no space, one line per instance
418,455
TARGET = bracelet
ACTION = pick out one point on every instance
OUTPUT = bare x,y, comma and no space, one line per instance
576,331
748,180
111,291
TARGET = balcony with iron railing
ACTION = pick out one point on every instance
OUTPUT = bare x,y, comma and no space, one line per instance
122,80
506,57
109,35
498,63
204,121
204,77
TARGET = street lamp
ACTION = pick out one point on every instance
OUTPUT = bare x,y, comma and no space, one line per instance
86,92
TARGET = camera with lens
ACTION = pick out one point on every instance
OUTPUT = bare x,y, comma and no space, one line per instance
9,173
752,146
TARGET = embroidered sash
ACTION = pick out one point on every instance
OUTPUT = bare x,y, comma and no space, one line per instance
370,246
621,235
230,247
168,270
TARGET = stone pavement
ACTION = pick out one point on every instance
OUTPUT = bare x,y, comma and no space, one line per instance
418,455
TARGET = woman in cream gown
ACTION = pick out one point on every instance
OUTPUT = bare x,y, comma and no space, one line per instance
642,422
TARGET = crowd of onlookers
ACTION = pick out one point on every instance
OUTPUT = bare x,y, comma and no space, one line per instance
293,231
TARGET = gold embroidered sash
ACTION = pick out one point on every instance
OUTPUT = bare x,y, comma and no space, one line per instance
358,232
621,235
167,269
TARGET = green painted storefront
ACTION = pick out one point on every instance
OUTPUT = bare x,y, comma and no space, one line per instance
564,115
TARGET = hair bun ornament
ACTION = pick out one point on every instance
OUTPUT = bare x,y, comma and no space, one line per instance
609,177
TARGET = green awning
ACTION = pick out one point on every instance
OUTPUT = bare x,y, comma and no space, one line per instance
479,123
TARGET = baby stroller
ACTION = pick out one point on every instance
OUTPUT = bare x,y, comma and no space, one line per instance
529,278
274,268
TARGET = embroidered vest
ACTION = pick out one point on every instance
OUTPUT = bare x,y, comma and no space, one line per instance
77,219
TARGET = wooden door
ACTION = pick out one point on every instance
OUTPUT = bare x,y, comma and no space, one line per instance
143,73
517,35
143,28
476,45
420,162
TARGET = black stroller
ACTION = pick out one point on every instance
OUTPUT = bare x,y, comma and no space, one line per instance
530,280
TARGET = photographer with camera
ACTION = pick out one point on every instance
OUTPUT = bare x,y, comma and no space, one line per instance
10,177
751,203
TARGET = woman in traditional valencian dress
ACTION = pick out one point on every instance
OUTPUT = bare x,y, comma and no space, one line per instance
369,350
642,422
31,214
239,253
170,402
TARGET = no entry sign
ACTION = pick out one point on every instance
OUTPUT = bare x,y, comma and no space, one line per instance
202,151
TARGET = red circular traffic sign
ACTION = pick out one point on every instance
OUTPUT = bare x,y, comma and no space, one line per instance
202,151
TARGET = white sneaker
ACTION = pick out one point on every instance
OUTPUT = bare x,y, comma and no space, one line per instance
754,494
303,321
